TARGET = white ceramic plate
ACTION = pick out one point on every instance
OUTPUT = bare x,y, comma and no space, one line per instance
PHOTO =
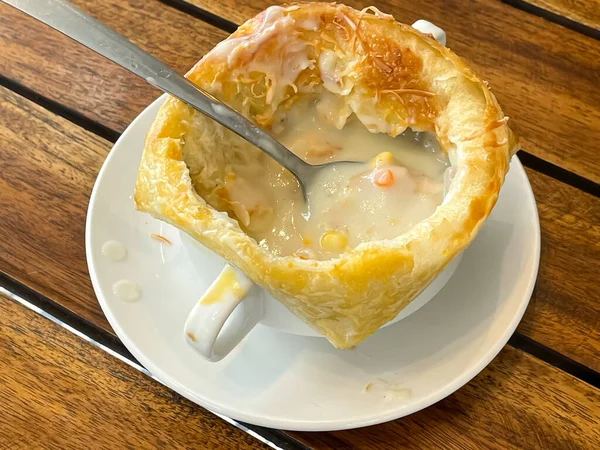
294,382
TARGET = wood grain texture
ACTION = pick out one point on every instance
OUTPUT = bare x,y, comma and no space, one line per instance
49,166
586,12
546,77
517,402
56,67
47,170
564,312
60,392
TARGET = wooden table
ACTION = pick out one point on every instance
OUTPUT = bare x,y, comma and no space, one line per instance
65,379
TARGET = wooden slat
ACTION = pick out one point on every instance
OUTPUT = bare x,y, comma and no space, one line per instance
586,12
49,166
547,84
546,77
564,313
47,398
56,67
61,392
517,402
47,171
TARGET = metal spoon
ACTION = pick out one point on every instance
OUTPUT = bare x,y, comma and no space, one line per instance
74,23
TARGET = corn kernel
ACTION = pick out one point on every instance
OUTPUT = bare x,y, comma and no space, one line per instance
333,241
384,159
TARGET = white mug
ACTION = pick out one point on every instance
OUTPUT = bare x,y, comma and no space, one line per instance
220,320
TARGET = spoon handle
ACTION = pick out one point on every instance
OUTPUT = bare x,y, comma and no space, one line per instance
74,23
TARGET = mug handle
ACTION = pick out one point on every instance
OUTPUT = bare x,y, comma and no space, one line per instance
426,27
207,328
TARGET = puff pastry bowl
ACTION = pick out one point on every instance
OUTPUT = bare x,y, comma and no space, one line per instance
391,77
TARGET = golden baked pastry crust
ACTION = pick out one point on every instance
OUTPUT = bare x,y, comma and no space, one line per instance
392,77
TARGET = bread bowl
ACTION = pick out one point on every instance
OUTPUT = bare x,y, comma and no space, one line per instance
391,78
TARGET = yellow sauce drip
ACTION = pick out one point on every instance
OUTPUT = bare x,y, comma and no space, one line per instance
227,282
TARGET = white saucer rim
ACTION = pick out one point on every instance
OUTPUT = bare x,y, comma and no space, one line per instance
303,425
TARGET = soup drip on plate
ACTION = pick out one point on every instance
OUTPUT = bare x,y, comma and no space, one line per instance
399,183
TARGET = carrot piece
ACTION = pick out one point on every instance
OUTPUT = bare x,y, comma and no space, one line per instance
383,178
158,237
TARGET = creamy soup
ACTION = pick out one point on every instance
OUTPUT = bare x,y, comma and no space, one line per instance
398,183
